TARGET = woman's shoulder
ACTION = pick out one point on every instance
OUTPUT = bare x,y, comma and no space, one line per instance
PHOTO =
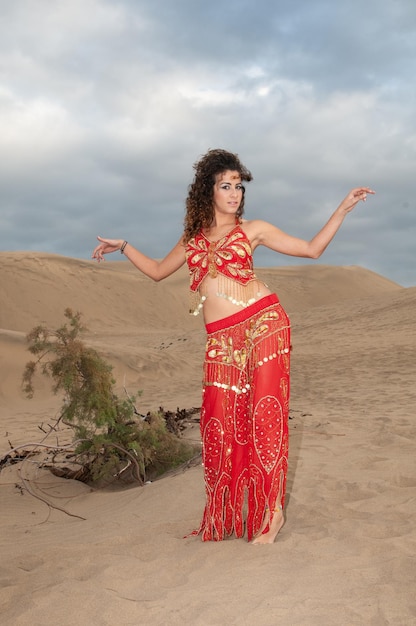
255,231
253,227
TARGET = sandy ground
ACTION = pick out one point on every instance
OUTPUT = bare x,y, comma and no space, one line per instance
346,555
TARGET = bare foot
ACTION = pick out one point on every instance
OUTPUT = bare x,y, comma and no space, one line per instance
275,526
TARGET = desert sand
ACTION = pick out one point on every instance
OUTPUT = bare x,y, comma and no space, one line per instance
346,554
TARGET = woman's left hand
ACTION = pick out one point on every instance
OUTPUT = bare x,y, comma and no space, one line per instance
354,196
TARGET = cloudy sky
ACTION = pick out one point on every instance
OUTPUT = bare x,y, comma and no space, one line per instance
106,104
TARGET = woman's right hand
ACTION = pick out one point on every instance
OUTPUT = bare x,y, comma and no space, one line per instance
106,247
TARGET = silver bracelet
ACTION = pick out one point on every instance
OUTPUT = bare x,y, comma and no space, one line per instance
123,245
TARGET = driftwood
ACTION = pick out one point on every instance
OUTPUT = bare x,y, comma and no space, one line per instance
69,467
22,454
177,422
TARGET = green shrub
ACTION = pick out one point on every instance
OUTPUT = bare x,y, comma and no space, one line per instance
111,439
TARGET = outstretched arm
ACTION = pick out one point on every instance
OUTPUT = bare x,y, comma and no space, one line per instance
157,270
268,235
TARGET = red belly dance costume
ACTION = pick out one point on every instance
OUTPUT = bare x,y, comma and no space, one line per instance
244,415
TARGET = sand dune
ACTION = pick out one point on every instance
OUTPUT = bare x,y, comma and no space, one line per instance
346,553
114,294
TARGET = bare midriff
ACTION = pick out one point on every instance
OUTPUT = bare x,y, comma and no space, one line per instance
219,299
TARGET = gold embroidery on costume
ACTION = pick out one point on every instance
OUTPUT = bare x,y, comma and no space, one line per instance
228,260
244,420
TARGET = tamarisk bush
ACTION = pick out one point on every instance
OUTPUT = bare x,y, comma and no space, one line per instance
109,436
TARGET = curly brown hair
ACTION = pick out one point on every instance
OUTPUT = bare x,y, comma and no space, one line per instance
199,203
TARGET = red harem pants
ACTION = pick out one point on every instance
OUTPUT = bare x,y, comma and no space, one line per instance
244,419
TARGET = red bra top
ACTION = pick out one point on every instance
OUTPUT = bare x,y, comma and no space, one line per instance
230,256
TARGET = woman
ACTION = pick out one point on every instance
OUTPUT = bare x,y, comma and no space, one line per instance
244,415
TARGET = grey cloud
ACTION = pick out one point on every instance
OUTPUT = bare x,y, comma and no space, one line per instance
101,120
